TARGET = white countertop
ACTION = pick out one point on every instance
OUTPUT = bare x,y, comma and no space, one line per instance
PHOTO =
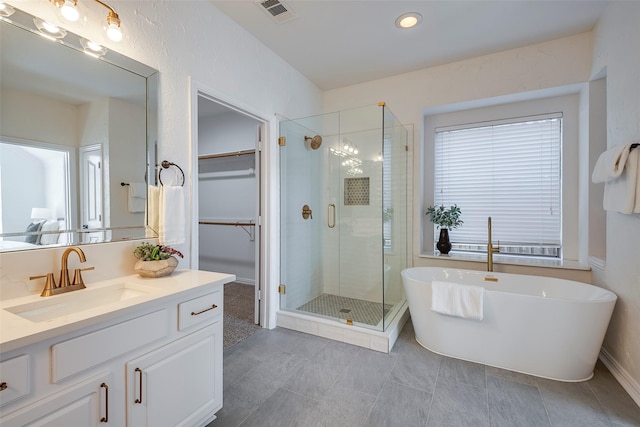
17,331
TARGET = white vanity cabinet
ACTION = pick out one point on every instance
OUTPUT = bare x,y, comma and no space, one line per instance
82,404
178,384
157,364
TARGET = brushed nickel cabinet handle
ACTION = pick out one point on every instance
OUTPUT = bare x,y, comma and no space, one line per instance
105,419
139,400
196,313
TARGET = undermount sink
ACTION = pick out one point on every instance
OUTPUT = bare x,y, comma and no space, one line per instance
50,308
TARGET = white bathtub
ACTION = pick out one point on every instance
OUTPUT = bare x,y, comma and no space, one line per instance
541,326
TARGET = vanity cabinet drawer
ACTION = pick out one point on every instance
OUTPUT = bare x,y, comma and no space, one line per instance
14,379
86,351
201,310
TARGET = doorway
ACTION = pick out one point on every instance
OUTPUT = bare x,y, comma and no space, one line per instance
228,205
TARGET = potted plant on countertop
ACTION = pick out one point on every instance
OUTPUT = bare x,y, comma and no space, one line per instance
445,219
155,260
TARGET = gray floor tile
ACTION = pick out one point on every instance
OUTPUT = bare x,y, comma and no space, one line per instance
399,405
314,377
416,367
259,383
571,404
282,408
511,375
618,405
341,407
281,377
234,411
463,372
514,404
458,405
367,371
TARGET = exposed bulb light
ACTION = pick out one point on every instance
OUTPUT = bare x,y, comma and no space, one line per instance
408,20
70,11
113,27
6,10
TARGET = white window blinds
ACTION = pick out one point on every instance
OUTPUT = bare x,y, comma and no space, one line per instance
510,171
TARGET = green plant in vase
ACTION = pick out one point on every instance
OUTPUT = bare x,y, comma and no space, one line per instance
446,219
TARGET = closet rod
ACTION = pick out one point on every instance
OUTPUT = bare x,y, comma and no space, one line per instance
237,224
221,155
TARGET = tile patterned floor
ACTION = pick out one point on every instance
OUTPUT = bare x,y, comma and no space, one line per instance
338,307
238,313
285,378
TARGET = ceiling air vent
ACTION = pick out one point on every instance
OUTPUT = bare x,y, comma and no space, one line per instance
279,11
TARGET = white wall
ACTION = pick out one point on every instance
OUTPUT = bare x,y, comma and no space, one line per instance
617,37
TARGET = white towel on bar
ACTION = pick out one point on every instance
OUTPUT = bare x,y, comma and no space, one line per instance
611,164
623,194
453,299
171,222
137,199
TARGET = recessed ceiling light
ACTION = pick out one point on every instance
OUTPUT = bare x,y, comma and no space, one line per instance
408,20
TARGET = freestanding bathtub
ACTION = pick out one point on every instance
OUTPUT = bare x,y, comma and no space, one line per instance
541,326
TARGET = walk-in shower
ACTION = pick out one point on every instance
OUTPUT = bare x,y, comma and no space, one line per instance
343,218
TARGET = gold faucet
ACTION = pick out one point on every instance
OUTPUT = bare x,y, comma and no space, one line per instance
65,285
490,249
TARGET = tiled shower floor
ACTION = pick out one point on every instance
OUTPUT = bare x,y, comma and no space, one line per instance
359,311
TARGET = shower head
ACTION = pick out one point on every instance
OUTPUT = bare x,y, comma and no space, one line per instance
316,141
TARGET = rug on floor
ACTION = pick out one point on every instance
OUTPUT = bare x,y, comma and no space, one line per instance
359,311
238,313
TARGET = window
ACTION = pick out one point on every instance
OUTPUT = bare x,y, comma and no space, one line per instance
509,170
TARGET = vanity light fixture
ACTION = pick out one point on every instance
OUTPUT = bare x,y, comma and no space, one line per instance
69,10
408,20
49,30
6,10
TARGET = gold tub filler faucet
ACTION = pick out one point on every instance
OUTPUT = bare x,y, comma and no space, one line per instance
65,285
491,249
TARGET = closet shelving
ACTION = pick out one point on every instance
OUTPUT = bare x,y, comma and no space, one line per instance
238,173
227,174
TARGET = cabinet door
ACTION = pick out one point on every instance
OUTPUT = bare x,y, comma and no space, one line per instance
179,384
83,404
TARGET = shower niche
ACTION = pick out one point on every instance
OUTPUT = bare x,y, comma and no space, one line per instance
340,266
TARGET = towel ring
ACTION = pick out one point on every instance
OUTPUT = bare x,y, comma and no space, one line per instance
166,164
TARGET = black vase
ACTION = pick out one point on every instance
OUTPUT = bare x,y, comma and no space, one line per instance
444,245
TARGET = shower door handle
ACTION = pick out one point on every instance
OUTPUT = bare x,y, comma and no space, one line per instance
331,215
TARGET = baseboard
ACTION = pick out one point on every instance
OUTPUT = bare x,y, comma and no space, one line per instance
630,385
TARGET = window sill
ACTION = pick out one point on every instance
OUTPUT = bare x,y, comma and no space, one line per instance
510,260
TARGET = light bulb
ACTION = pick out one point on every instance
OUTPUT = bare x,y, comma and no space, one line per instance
114,33
355,151
50,28
69,11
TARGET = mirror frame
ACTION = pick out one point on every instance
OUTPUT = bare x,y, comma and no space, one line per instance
24,21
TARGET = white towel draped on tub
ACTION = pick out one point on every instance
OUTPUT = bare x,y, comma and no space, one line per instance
171,221
137,197
457,300
619,169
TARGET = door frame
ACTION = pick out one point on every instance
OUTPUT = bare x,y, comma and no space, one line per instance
265,316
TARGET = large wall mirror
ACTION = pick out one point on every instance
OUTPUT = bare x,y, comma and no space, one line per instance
78,131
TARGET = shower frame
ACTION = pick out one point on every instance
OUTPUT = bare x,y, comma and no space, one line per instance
356,217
